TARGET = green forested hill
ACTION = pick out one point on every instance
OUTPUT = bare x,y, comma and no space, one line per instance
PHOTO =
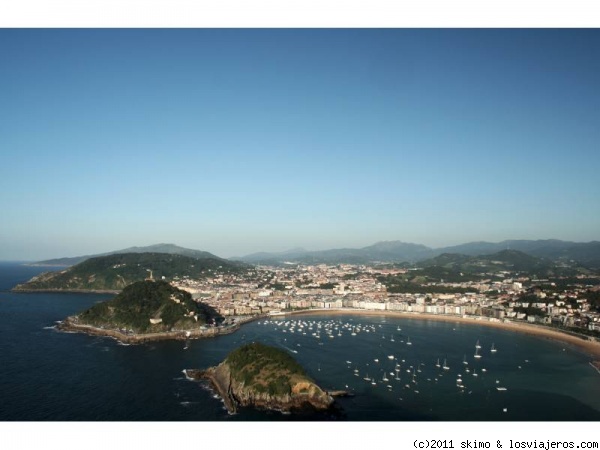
265,368
156,248
142,301
114,272
457,268
508,260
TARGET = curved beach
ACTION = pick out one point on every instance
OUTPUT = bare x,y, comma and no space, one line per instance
589,347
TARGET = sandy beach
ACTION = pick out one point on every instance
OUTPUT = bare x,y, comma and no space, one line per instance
591,348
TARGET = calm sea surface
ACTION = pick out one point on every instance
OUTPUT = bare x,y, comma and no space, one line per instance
49,375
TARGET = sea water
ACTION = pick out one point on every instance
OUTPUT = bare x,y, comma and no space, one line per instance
51,375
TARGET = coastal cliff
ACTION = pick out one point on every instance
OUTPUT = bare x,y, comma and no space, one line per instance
264,377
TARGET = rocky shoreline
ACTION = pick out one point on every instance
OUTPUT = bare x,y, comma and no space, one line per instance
70,324
304,396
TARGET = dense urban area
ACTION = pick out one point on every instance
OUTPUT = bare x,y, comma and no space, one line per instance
565,302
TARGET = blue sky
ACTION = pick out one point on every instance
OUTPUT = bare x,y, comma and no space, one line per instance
235,141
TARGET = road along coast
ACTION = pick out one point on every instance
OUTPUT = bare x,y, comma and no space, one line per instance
71,324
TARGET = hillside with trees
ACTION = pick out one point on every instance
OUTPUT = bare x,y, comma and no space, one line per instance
114,272
148,307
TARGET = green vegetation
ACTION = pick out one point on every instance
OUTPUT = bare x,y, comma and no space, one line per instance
593,297
530,311
351,276
114,272
570,282
403,284
278,286
133,308
265,369
457,267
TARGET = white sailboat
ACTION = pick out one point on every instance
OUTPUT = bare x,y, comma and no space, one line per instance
414,377
445,367
477,355
493,349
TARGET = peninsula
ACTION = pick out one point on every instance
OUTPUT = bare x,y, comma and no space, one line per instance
257,375
111,273
147,310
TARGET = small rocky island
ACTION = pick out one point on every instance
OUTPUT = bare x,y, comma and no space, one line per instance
147,310
264,377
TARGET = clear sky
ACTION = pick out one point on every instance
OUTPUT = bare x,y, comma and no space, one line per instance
236,141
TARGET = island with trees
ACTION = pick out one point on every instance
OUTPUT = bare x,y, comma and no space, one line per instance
261,376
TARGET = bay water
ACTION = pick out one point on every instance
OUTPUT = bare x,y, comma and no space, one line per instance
46,375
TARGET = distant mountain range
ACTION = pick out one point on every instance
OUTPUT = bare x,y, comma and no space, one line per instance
585,253
157,248
388,251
